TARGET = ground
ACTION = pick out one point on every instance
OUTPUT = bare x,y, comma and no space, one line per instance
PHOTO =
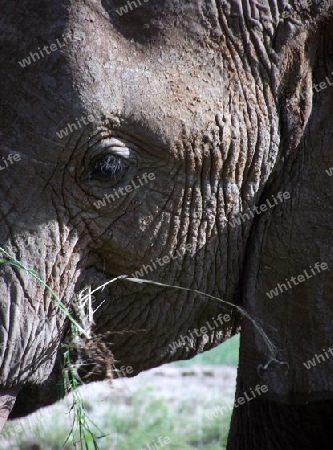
172,403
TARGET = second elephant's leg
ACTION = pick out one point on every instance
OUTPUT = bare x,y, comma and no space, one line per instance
267,425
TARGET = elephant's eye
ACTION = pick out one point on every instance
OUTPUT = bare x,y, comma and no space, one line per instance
109,166
113,157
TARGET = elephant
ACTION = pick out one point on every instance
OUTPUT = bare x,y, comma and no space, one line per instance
182,150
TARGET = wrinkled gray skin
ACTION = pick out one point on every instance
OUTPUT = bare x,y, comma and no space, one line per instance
216,99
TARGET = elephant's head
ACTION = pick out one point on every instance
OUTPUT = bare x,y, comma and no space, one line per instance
140,136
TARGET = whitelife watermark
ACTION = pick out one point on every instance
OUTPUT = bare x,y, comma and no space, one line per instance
121,191
227,409
122,372
70,127
131,5
249,214
146,269
48,49
12,429
329,171
9,160
155,445
318,358
319,86
199,332
300,278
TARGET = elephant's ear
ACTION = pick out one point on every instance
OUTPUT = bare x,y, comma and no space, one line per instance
294,40
296,44
297,235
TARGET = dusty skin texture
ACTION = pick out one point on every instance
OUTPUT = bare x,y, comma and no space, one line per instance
215,99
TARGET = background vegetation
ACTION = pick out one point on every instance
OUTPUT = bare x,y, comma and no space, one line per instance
132,422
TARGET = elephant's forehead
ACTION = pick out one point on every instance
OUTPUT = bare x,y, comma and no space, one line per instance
156,94
160,86
163,79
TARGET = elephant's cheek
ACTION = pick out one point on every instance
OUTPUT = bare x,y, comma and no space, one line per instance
144,325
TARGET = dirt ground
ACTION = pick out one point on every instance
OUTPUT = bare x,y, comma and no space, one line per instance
204,384
202,387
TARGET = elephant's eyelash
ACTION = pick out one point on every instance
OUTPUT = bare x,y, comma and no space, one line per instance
111,158
109,165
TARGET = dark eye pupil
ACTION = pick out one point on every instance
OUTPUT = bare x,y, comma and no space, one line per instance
109,166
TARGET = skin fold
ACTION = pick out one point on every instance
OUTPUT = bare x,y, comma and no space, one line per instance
216,100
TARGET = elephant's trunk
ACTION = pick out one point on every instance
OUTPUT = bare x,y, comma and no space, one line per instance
7,400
